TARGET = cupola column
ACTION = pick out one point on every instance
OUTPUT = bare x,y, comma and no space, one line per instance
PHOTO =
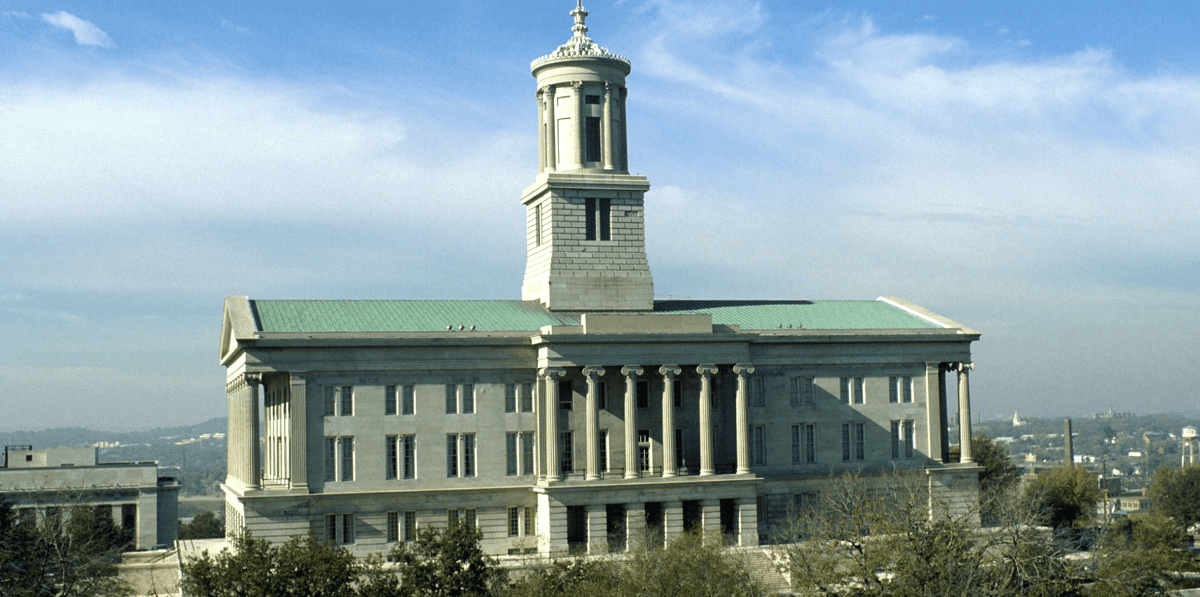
608,124
541,120
580,143
550,129
623,144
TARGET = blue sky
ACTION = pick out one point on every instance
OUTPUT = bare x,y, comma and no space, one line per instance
1027,168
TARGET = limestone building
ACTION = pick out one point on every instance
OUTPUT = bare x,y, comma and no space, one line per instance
587,410
50,482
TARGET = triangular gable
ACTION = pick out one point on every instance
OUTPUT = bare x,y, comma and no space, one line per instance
237,324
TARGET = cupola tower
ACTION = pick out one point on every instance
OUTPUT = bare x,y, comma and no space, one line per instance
585,219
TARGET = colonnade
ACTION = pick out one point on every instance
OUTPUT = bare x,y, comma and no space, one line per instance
614,152
553,376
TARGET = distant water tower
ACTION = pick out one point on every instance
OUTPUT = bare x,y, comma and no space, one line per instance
1188,455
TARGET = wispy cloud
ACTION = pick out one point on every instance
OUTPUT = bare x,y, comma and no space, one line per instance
230,26
86,33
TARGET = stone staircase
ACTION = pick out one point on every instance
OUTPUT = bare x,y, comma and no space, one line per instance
762,568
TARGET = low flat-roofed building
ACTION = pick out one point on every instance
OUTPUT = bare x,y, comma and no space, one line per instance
37,482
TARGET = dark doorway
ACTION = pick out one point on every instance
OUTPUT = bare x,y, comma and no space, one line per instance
691,515
577,529
654,521
729,526
615,514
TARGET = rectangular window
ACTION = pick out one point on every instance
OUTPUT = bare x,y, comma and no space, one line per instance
331,527
470,517
910,439
393,457
592,99
452,517
510,397
514,521
128,516
410,526
566,395
451,399
677,392
468,440
527,453
758,445
567,460
537,225
408,456
452,455
468,398
330,402
807,391
393,527
794,391
331,459
643,394
809,435
860,441
406,400
593,139
347,401
510,449
644,449
526,397
389,400
895,439
893,389
847,442
853,390
602,456
906,389
597,223
530,521
758,395
347,528
347,448
797,442
602,395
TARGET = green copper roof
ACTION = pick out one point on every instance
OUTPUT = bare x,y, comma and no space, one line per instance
403,316
809,315
434,316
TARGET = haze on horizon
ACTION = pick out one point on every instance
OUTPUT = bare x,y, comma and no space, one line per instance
1026,169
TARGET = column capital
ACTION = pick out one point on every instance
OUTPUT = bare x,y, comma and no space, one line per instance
577,85
552,372
960,366
632,370
548,90
706,370
252,379
743,369
670,370
593,371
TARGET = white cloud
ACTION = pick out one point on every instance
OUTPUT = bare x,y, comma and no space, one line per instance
234,27
86,33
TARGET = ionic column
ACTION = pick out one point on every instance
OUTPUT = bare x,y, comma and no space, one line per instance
964,413
550,402
593,421
608,132
541,128
551,131
632,466
742,419
254,457
580,129
706,441
668,418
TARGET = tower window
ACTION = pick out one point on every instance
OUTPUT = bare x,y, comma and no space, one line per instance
592,130
598,219
592,99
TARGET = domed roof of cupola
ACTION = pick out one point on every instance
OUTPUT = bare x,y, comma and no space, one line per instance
580,45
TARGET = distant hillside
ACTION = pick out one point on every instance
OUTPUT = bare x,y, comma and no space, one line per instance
77,436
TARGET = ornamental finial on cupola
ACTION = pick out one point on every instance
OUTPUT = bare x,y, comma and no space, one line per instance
580,45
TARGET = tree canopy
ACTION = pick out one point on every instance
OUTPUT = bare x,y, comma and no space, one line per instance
1175,492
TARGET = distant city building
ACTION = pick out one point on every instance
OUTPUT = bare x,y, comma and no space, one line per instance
42,482
588,410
